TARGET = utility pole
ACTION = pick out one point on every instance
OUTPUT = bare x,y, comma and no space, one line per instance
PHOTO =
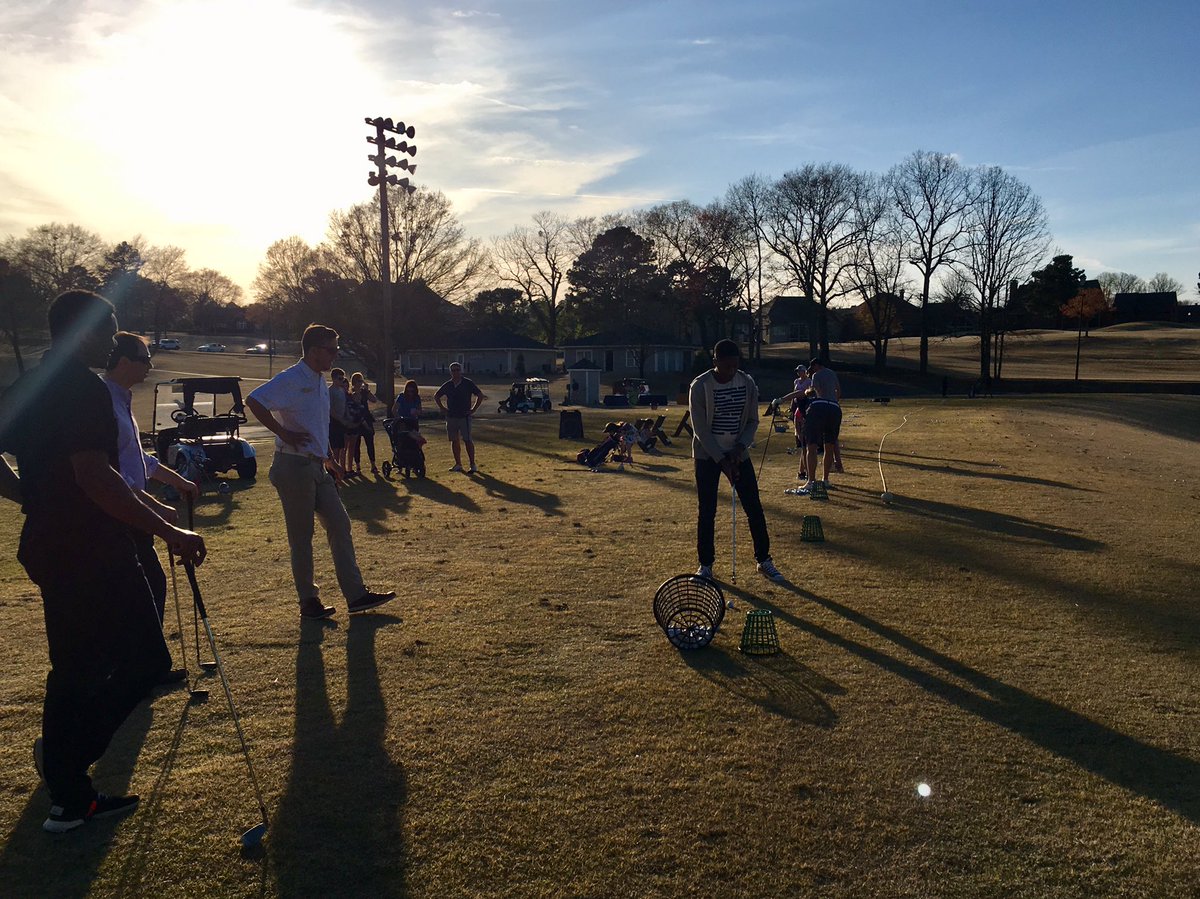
385,384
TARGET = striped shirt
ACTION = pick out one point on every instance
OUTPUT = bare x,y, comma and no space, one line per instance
729,402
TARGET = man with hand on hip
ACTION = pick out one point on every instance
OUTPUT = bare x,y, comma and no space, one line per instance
458,399
294,406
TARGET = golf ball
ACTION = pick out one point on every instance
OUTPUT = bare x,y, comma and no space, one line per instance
923,790
886,496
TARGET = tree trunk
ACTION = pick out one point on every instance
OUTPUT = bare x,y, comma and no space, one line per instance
985,346
924,366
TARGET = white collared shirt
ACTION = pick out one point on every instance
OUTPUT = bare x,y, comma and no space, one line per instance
298,397
136,464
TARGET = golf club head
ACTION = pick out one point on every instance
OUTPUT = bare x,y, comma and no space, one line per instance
209,666
198,696
253,837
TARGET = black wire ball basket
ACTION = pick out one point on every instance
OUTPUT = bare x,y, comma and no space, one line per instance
689,608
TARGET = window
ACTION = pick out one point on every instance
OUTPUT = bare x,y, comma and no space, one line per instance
631,359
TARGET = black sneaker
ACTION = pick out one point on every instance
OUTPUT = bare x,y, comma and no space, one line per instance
61,819
370,600
314,608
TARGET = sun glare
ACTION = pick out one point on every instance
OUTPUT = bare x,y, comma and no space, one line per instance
224,109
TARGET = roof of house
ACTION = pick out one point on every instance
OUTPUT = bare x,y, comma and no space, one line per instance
1144,303
785,310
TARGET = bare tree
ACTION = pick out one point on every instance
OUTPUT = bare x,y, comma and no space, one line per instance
811,224
748,201
57,257
1161,282
879,258
166,267
428,244
536,260
931,192
1007,236
1113,283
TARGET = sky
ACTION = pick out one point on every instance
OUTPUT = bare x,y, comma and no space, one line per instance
221,126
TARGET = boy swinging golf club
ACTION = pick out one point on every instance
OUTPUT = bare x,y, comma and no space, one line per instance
723,405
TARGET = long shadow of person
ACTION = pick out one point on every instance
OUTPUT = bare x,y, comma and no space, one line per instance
31,862
342,810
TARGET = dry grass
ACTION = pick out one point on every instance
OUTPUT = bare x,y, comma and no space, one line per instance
1018,630
1141,351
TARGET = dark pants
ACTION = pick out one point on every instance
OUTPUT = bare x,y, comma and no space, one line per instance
368,438
708,477
153,570
106,653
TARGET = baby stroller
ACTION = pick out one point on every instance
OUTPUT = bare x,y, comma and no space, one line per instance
407,443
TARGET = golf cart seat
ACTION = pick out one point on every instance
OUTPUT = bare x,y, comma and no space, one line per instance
194,427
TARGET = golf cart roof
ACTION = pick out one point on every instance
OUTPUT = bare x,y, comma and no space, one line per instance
215,386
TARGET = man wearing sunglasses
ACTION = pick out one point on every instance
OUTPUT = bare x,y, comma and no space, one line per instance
294,406
129,365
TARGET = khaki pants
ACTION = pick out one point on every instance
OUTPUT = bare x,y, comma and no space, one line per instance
307,491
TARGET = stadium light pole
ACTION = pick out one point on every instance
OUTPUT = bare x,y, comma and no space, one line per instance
385,385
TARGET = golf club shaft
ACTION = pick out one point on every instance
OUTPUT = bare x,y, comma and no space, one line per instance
774,412
733,507
191,522
178,613
212,645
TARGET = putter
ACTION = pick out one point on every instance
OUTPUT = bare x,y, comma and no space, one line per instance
206,666
200,695
252,837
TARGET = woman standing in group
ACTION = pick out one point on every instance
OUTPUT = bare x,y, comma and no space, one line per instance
359,404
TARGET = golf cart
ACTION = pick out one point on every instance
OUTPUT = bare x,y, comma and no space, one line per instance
204,443
530,395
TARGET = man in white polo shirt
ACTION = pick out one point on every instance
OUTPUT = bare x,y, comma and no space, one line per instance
294,406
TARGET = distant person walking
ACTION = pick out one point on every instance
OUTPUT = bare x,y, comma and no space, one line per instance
294,406
105,640
340,421
723,406
128,365
458,398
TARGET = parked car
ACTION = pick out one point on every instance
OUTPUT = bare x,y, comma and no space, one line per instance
211,348
259,349
167,343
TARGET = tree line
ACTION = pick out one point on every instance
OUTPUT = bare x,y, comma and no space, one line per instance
927,231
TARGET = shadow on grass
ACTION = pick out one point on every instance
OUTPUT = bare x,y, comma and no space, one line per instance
779,684
338,827
549,503
986,521
1162,776
35,863
901,461
1170,416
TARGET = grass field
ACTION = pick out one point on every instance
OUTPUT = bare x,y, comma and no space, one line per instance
1018,630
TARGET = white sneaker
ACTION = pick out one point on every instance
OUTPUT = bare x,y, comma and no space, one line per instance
768,570
455,468
806,489
704,571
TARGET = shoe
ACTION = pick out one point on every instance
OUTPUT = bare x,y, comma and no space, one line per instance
370,600
837,467
828,486
61,819
472,470
315,609
806,490
704,571
768,570
374,470
39,760
174,676
802,475
456,468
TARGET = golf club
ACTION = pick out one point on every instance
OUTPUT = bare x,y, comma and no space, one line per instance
252,837
774,411
733,506
206,666
199,695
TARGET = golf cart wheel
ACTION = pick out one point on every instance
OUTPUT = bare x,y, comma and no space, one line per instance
247,470
387,469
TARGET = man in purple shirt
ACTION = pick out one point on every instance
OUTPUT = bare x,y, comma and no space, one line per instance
129,365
